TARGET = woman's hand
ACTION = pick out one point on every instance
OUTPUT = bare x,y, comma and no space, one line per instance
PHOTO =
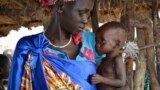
96,78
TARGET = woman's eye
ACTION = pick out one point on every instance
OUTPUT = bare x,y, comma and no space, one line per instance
80,13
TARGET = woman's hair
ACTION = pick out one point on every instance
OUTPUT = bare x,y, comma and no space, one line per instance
47,4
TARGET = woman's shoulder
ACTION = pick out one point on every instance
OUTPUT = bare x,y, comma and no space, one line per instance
88,35
28,39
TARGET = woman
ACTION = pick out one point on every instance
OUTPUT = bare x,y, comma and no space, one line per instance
63,57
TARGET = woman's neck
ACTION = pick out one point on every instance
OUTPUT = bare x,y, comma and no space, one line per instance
54,30
55,34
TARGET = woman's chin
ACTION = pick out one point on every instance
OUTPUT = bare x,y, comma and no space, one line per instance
76,32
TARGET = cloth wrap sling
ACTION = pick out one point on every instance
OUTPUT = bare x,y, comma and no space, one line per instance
29,62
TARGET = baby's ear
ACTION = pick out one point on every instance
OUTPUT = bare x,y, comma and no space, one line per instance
118,42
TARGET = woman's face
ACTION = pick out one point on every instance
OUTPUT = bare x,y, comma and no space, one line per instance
75,15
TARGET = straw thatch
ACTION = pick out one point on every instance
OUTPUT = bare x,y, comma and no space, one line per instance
16,13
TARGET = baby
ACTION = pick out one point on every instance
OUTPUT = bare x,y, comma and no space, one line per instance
111,73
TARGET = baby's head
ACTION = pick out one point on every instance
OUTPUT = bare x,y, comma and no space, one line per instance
4,66
110,37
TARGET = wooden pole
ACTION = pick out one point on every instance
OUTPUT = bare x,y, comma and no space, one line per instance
130,37
150,60
130,15
94,17
139,75
129,72
150,54
156,35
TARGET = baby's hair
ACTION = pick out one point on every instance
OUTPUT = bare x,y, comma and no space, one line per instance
118,29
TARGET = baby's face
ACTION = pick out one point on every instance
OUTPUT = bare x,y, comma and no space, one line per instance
105,43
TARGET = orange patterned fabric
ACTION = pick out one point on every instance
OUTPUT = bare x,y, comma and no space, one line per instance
26,83
58,81
55,81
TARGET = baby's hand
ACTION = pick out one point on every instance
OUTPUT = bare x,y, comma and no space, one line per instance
96,78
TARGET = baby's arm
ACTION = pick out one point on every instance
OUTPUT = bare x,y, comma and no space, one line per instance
120,79
120,72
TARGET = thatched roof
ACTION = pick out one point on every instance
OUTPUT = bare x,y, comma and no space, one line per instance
114,9
16,13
